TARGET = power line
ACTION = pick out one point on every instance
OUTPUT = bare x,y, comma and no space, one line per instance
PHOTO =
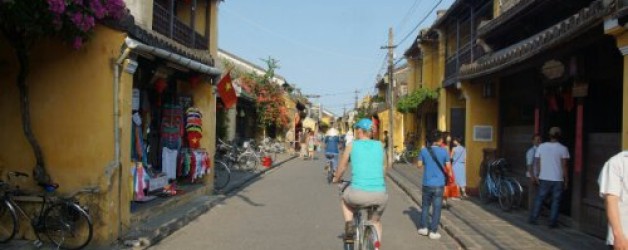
289,39
408,14
420,22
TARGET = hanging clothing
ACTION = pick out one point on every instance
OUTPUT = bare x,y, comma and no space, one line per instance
169,162
172,128
140,180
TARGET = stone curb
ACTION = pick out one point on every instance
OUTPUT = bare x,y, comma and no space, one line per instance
151,238
446,224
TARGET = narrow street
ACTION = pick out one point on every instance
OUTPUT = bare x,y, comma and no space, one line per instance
293,207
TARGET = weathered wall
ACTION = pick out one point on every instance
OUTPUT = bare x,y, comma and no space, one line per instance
142,11
71,97
622,44
480,111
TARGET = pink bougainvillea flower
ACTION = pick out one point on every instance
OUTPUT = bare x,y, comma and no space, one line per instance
77,43
82,22
115,8
98,9
56,6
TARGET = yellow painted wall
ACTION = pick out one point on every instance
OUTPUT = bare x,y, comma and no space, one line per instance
397,133
496,9
621,35
480,111
71,95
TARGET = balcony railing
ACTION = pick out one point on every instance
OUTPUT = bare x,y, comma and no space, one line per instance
166,23
466,54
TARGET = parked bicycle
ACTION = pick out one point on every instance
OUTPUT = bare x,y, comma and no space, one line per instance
403,156
222,175
60,221
495,185
365,233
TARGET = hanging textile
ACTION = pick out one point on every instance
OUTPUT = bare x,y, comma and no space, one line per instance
171,126
140,180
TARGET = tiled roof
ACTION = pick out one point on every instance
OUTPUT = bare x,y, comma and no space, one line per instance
506,16
155,39
555,35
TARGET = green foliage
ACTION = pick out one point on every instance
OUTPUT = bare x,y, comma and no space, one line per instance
413,100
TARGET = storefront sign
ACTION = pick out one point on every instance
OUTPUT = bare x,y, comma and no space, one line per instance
483,133
553,69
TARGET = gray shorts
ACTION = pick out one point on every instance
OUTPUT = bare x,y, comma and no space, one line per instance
362,198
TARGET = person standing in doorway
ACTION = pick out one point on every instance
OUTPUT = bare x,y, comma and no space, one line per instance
536,141
614,188
458,161
551,165
385,142
433,158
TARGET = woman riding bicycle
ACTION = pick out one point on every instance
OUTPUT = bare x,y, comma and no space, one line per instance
332,142
368,186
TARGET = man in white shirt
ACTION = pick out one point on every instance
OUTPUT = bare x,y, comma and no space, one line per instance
614,189
551,175
536,141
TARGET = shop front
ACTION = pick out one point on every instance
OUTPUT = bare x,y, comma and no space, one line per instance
567,76
172,113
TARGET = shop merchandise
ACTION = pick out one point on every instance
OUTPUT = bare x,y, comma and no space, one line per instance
194,127
171,126
193,164
140,179
169,162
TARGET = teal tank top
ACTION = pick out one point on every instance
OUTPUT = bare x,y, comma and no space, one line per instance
367,162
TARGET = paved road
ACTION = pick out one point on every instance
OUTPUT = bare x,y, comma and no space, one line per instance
293,208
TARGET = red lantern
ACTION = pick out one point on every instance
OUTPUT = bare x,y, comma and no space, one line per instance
160,85
194,80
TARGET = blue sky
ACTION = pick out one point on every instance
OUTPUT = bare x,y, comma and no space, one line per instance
325,47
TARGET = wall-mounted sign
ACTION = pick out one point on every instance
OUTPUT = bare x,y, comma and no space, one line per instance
483,133
553,69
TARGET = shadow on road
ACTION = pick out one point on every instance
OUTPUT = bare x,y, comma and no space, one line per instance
414,214
249,201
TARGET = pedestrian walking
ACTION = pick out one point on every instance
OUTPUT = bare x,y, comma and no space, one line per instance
551,163
433,158
290,141
451,189
385,141
311,143
536,141
614,188
302,145
348,138
458,160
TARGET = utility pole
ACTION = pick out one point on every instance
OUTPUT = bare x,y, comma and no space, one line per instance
356,98
391,103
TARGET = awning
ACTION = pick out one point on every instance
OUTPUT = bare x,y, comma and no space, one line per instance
172,57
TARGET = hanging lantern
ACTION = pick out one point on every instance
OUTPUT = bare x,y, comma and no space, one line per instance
194,80
160,85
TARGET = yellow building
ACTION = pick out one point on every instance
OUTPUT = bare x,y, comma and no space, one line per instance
82,103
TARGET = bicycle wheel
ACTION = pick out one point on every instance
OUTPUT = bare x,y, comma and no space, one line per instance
518,192
247,162
330,173
370,239
406,157
222,175
8,221
484,191
68,226
506,195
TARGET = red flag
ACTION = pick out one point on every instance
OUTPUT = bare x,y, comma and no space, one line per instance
226,91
